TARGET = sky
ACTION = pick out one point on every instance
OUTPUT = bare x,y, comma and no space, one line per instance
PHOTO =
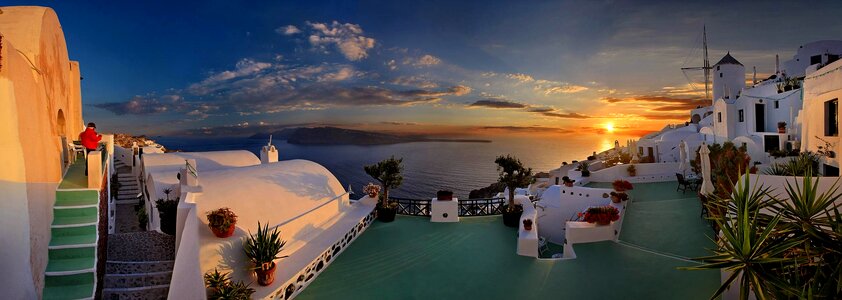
421,67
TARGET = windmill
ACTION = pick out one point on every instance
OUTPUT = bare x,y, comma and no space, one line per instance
705,68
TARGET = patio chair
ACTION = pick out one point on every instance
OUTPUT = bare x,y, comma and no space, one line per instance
684,184
75,150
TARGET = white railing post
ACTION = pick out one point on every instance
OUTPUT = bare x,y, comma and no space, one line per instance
95,169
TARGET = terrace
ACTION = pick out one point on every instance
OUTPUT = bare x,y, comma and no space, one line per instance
475,258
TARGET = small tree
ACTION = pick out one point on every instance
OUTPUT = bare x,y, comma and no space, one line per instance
513,175
388,173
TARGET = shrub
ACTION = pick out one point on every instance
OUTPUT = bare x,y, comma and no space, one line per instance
167,211
514,175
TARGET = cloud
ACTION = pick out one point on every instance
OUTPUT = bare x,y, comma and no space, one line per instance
288,30
144,105
553,87
661,103
527,129
666,116
416,81
556,114
495,103
343,73
347,38
520,77
423,61
392,65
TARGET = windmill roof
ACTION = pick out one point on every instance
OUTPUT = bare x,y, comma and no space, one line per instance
728,60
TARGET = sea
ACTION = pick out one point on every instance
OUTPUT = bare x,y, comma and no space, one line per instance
428,166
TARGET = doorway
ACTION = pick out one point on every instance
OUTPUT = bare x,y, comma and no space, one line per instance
760,117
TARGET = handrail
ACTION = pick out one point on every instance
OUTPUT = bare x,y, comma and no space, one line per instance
191,169
467,207
310,210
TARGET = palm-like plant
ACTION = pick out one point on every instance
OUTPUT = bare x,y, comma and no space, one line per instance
513,175
780,246
222,288
388,173
262,248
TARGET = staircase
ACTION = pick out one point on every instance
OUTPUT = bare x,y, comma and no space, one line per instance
129,192
71,269
137,279
140,263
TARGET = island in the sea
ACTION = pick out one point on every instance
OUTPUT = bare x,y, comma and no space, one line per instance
342,136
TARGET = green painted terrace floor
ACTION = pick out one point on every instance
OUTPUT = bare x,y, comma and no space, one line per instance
72,249
413,258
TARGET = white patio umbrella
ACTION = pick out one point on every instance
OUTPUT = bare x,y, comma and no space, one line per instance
682,151
635,158
707,185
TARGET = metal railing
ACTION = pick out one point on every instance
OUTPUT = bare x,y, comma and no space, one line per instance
413,207
467,208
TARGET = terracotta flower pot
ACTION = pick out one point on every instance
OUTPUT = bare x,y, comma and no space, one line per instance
372,195
603,223
223,234
527,226
616,199
266,277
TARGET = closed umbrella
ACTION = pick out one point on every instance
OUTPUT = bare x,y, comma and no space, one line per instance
707,185
682,151
635,158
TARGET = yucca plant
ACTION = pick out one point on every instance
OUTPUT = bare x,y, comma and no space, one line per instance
262,249
216,280
780,246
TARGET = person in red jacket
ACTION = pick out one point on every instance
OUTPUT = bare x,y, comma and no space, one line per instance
90,139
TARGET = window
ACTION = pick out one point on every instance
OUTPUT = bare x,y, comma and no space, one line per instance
815,59
717,68
719,117
776,104
831,118
832,58
741,115
720,74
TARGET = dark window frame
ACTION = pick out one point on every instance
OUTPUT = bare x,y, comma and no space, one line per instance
831,117
719,117
741,115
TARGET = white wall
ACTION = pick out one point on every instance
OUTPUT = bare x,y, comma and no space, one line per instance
819,87
801,60
731,81
559,204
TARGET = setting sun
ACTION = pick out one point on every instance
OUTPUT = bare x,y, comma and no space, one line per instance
609,127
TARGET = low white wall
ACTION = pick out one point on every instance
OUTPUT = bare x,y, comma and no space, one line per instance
187,281
649,172
124,155
527,241
560,204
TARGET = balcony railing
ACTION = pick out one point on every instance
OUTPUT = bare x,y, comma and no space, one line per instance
467,208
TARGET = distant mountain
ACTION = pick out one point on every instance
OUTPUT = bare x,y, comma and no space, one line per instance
282,134
341,136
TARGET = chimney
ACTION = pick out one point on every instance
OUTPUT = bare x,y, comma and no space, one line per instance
268,154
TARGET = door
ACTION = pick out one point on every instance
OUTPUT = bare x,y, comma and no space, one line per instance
760,117
771,143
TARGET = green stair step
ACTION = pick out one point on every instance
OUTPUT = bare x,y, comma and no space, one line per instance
71,259
69,286
76,198
73,236
73,216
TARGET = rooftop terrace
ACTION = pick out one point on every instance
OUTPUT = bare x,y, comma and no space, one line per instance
475,259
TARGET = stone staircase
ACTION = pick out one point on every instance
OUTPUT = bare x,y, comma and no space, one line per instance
137,279
140,263
129,192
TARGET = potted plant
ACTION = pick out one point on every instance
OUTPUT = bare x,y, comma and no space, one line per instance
371,190
388,173
513,175
602,215
222,222
583,166
444,195
219,286
262,249
781,127
527,224
632,171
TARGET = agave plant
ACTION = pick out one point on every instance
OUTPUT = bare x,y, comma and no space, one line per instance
262,248
780,246
221,287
